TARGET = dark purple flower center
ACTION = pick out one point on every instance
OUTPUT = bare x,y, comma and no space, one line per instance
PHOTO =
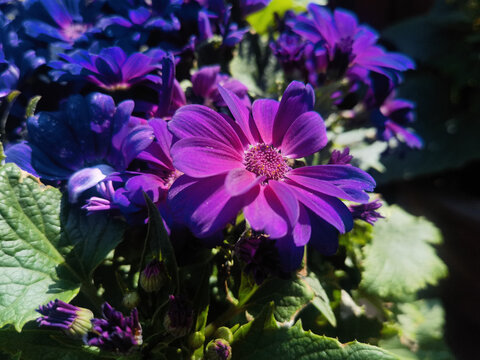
265,160
345,45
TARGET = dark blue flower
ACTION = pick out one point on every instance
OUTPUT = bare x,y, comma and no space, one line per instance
115,332
72,319
83,142
248,7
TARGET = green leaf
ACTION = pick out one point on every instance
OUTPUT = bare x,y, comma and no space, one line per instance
32,267
320,301
92,238
401,260
41,344
158,239
420,326
289,297
2,154
265,339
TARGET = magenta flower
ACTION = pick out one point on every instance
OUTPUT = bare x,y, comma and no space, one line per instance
247,163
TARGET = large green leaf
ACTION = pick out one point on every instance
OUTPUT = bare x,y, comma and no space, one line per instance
41,344
32,267
321,301
289,297
265,339
401,260
92,238
420,325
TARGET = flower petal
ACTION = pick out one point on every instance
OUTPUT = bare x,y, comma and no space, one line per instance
264,112
305,136
202,157
204,204
239,181
199,120
302,230
85,179
297,99
290,254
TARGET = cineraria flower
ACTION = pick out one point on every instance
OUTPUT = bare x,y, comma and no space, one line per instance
124,192
83,142
205,84
9,75
342,44
366,212
72,319
115,332
392,118
289,51
246,163
112,69
61,21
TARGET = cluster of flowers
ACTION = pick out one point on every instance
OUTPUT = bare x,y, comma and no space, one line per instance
322,47
202,155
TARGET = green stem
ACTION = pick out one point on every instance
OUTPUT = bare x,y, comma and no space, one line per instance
90,292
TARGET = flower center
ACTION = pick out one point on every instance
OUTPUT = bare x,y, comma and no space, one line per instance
73,31
265,160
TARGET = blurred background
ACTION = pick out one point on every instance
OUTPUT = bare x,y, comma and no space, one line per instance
441,181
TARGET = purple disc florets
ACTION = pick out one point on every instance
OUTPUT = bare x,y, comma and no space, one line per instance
265,160
115,332
72,319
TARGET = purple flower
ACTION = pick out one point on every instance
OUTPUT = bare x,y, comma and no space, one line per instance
340,157
366,212
112,69
72,319
9,75
205,84
248,7
392,118
83,142
246,164
179,317
342,44
115,332
289,51
61,21
124,192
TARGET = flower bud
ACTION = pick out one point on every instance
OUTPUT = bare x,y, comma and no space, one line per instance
153,276
72,319
196,340
224,333
179,317
131,300
218,349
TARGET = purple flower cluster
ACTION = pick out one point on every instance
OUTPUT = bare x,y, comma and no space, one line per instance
324,47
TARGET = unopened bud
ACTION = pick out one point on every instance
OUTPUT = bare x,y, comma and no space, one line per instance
179,318
196,340
131,300
224,333
218,349
153,276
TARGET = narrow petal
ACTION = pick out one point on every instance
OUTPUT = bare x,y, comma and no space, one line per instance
262,217
286,198
21,155
199,120
85,179
204,204
328,208
202,157
291,255
264,112
240,113
324,236
305,136
302,230
297,99
239,181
